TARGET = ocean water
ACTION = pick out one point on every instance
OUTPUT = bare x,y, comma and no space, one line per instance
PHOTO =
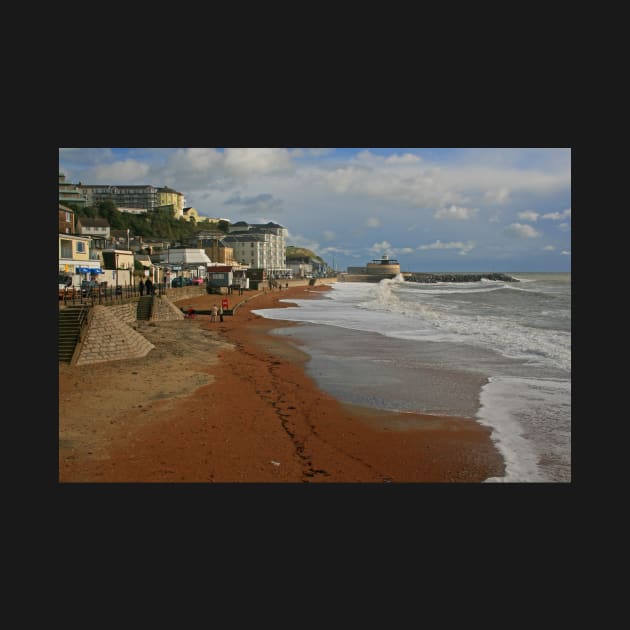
497,352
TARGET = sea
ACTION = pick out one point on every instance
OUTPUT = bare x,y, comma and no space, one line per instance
496,352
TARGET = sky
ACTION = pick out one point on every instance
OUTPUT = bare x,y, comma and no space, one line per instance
432,209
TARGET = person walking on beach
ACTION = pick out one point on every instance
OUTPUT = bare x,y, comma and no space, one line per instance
215,310
141,287
221,312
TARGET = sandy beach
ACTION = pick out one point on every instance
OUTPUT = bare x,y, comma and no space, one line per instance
226,402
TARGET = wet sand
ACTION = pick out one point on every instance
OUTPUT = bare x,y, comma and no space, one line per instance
227,402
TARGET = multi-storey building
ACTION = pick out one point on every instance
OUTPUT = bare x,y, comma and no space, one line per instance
263,243
71,193
147,197
249,249
76,259
127,196
168,197
66,220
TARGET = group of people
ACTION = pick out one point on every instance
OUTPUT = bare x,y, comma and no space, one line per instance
148,285
216,311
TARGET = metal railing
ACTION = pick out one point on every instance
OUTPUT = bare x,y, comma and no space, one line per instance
105,295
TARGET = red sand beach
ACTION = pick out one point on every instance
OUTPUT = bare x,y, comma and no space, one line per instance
226,402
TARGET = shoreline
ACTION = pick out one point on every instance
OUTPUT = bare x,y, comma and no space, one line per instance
243,409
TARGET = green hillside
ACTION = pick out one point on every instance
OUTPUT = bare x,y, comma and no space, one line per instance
292,253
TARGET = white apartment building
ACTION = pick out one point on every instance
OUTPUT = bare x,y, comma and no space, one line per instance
260,246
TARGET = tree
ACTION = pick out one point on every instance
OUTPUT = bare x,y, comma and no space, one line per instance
297,253
108,210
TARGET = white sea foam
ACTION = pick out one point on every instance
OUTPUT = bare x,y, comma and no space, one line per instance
520,339
363,307
531,424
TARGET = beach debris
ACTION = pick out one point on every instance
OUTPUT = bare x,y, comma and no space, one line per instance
274,463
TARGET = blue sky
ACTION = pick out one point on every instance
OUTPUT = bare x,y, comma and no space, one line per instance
434,209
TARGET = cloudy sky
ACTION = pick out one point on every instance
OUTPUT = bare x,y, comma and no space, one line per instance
486,209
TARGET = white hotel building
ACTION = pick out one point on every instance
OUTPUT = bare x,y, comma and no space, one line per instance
260,246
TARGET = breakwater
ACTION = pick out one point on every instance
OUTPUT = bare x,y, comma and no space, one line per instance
457,277
440,276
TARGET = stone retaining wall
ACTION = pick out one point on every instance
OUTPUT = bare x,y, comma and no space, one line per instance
164,309
126,313
109,339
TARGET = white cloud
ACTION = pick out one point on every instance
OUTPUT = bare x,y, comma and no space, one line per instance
257,204
385,247
339,199
455,212
528,215
521,230
557,216
549,248
422,185
497,196
313,152
192,170
365,156
407,158
259,161
367,177
464,247
197,159
300,241
339,250
565,252
382,247
85,156
123,172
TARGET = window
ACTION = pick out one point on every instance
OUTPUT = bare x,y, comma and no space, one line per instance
80,247
68,217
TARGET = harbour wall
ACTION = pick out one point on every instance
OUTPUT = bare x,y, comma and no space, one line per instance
430,277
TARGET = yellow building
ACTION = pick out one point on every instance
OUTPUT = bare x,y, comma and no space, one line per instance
73,250
218,252
168,197
191,213
75,259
